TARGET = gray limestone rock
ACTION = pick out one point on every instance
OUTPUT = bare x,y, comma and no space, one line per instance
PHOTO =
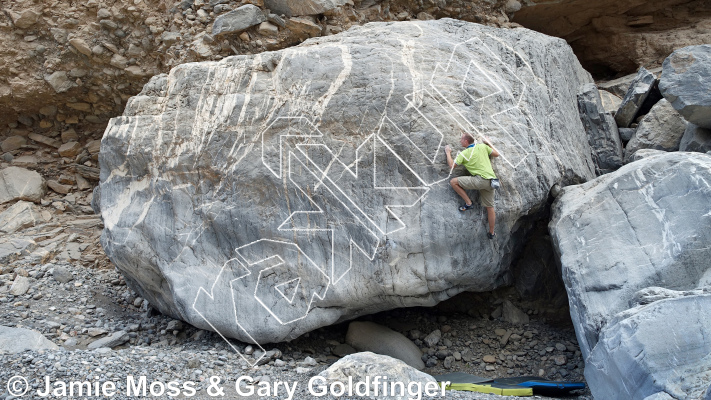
19,216
369,336
264,196
20,286
17,340
639,89
292,8
626,134
59,81
610,102
365,366
21,184
511,314
646,224
62,275
686,83
601,128
661,129
111,341
695,139
11,248
238,20
632,360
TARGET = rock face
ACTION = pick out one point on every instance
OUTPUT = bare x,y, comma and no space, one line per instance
17,340
645,225
602,131
364,367
292,8
21,184
637,93
614,35
661,129
648,363
369,336
266,196
18,216
686,83
696,139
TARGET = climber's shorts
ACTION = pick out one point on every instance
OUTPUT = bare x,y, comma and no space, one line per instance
476,182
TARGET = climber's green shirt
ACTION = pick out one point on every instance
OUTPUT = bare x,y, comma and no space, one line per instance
476,160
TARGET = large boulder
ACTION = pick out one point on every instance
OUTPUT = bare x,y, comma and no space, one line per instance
602,131
264,196
645,225
21,184
686,83
661,129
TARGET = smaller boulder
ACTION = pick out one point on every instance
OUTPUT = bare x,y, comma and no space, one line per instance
238,20
303,27
19,216
610,102
292,8
603,137
369,336
69,149
17,340
13,143
21,184
62,275
513,315
646,153
111,341
626,134
686,83
696,138
20,286
365,367
639,89
661,129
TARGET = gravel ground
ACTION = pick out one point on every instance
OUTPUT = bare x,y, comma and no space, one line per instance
94,303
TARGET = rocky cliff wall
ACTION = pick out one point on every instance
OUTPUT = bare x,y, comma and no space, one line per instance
611,36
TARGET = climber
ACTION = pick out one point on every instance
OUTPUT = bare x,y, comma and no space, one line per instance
475,157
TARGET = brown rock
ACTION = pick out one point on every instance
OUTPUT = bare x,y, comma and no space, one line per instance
70,149
13,143
81,46
70,136
489,359
67,179
44,140
58,187
94,146
25,19
82,183
303,27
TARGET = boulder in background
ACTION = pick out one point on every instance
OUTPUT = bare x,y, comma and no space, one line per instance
661,129
686,83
